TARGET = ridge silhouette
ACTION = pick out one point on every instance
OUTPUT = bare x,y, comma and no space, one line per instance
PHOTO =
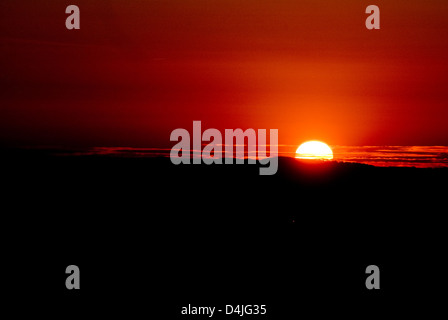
223,233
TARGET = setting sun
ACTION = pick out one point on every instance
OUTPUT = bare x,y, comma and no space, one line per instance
314,150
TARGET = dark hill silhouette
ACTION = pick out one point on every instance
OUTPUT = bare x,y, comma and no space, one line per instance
212,232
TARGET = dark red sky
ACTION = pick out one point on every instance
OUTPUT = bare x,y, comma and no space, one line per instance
139,69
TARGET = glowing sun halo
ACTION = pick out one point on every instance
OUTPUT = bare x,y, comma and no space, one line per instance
314,150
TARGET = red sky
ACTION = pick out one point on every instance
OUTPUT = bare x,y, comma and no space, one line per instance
136,70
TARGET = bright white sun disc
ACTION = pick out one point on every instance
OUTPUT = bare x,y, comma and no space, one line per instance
314,150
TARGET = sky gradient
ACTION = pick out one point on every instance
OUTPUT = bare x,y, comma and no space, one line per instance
136,70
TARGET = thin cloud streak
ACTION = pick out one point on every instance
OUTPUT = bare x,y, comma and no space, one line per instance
383,156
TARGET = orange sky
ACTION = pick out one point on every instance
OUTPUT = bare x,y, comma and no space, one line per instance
139,69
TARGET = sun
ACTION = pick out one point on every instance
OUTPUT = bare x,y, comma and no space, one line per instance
314,150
